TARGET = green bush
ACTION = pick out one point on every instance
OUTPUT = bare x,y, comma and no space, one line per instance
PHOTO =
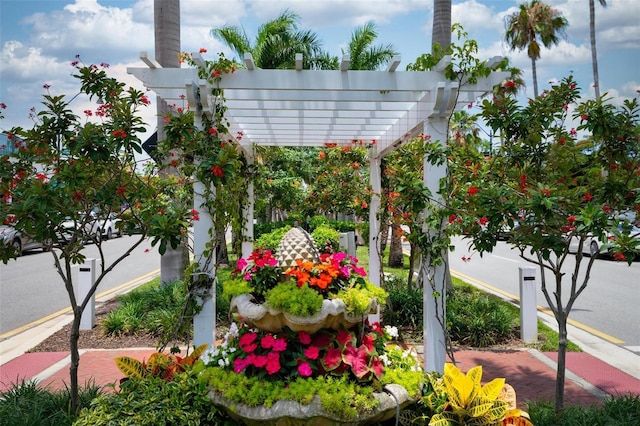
405,304
153,401
478,319
326,239
288,297
271,240
26,403
620,410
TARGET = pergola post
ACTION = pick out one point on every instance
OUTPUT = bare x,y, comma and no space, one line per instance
433,276
374,224
247,214
204,322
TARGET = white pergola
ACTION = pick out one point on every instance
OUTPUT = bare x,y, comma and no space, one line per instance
307,108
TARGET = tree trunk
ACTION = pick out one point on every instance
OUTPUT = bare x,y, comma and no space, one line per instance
594,54
166,14
534,75
562,360
221,244
384,236
75,359
396,256
441,29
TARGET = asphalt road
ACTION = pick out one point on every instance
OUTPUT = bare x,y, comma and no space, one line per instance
608,307
30,287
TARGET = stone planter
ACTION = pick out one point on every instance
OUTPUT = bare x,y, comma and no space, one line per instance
332,315
291,413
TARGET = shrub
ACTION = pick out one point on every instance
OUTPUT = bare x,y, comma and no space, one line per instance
477,319
620,410
271,240
153,401
326,239
297,301
405,305
26,403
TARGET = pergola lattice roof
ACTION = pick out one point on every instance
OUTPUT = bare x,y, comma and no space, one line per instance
319,107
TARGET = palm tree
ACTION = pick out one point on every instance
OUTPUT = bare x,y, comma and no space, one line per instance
365,56
167,47
276,43
441,28
592,34
534,22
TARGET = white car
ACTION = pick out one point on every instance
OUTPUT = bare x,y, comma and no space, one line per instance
106,228
593,245
20,242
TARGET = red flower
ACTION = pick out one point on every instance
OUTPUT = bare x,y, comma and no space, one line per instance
217,171
587,197
573,132
248,342
474,190
584,117
195,215
484,220
121,190
273,362
571,219
119,133
145,100
304,337
212,131
619,257
562,141
452,218
607,209
203,50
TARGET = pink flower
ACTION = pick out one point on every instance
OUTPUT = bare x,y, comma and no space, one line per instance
247,342
312,352
273,362
304,369
239,364
267,341
279,345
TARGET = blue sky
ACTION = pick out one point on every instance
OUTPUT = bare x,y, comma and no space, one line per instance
39,39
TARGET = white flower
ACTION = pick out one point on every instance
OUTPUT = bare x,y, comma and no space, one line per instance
391,331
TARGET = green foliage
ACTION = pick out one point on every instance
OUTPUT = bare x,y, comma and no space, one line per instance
338,396
153,308
619,410
152,401
297,301
27,403
478,320
235,287
262,228
358,298
405,304
271,240
326,239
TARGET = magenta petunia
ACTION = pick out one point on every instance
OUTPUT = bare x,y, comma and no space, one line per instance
304,369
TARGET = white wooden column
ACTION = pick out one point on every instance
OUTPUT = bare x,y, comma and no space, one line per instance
433,332
247,213
374,224
204,322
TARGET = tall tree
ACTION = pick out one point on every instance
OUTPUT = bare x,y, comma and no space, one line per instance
533,24
592,37
276,43
363,54
166,18
441,28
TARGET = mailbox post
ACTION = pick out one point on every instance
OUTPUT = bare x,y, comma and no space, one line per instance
528,305
86,279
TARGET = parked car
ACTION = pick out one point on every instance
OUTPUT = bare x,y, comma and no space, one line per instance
101,228
106,228
593,244
21,242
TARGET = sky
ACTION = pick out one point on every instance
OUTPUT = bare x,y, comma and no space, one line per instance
40,39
